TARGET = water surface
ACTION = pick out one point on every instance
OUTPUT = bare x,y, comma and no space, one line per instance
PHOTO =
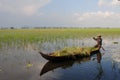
23,62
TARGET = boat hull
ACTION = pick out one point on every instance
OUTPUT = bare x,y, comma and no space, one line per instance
63,58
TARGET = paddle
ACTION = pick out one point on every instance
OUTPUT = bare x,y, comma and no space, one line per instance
103,48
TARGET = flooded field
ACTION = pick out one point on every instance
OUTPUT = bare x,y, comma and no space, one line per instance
23,61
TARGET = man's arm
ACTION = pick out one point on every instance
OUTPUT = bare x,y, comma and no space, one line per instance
94,38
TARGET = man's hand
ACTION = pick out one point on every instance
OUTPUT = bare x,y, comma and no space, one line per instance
93,37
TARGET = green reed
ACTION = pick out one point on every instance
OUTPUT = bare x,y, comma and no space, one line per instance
44,35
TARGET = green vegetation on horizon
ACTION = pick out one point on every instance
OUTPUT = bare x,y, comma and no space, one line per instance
43,35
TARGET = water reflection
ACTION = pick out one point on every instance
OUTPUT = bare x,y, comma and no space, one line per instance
100,70
116,64
49,66
15,57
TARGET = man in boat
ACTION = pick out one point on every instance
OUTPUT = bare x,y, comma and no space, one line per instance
99,45
99,42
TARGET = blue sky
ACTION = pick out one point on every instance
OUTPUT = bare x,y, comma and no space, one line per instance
60,13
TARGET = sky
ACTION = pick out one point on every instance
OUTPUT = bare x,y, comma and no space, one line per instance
60,13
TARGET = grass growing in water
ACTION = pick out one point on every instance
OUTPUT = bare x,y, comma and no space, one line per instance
23,37
43,35
74,50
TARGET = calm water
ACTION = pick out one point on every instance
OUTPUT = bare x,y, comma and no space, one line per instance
25,63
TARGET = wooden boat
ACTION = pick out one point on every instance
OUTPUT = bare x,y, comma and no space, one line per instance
52,57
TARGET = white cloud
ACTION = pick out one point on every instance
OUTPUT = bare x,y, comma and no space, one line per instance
109,3
27,7
98,15
99,18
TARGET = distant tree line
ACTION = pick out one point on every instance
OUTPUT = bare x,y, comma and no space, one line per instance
50,27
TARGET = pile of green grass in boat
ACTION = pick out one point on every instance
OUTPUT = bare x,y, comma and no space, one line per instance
74,50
